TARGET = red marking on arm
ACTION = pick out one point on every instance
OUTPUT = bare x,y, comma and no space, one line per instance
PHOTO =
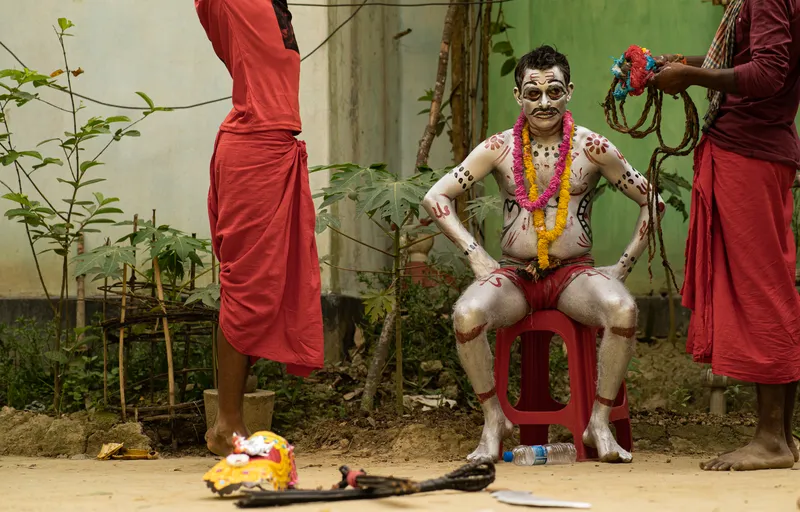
583,241
466,337
440,212
643,231
642,188
661,207
619,155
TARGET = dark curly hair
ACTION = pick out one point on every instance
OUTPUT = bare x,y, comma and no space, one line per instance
543,57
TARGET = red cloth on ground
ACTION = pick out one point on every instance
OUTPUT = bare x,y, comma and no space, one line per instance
256,41
544,293
740,268
262,228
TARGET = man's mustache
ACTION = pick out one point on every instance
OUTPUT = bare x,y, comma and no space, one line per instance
553,111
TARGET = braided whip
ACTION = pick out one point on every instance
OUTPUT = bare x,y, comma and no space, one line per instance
473,477
641,70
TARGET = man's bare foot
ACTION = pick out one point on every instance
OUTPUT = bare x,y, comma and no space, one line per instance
599,437
494,432
759,454
219,440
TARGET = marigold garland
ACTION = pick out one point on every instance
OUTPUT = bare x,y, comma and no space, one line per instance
547,237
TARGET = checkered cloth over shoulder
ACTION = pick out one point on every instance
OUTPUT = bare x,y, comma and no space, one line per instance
720,56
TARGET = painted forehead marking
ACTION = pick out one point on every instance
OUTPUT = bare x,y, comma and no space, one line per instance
541,79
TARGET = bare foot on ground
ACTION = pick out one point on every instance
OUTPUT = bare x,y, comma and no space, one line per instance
759,454
219,440
494,432
599,437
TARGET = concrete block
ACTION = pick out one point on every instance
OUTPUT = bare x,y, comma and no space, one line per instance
258,408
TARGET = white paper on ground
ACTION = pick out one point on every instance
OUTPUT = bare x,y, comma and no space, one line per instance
525,498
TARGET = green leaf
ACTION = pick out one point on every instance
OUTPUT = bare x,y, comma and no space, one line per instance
508,66
678,180
65,24
17,198
56,357
106,211
325,219
118,119
179,244
378,304
147,99
503,47
677,203
484,206
209,296
91,182
73,184
9,158
132,133
391,199
32,154
85,166
48,161
105,261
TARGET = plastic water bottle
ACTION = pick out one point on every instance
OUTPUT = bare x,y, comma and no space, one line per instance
558,453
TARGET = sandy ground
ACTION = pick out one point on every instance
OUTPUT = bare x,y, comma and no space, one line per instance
651,483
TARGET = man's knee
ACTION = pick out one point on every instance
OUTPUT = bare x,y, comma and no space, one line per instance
621,314
469,320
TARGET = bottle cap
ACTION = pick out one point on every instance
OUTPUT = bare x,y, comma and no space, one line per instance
508,457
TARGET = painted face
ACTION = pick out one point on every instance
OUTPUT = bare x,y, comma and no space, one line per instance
544,97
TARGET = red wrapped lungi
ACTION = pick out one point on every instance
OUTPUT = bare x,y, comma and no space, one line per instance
262,227
740,268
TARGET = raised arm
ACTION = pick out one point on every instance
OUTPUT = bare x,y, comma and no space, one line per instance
620,174
763,76
439,202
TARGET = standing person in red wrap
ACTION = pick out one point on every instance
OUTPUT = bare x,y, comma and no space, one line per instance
740,255
260,207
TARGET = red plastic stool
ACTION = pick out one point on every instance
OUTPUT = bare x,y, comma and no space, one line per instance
536,410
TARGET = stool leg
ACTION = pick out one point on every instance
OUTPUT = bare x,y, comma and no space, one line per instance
535,384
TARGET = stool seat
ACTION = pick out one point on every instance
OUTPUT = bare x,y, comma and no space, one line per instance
536,409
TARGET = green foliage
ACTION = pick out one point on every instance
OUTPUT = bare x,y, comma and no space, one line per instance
503,48
670,188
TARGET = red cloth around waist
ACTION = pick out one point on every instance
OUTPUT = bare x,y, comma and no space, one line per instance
740,268
544,293
262,222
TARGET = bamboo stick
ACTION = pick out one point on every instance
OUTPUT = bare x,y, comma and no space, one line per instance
105,339
122,341
167,338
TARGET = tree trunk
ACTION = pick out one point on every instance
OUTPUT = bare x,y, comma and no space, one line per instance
438,90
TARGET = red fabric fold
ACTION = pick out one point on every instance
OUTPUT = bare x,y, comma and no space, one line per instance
740,268
262,225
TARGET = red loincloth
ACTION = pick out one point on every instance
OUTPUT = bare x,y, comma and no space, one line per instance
262,228
544,293
740,268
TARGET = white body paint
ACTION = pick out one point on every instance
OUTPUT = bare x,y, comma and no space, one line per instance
595,298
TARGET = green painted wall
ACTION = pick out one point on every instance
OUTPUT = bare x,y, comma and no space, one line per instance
590,32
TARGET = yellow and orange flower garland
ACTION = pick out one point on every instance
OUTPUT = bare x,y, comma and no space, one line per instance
545,236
